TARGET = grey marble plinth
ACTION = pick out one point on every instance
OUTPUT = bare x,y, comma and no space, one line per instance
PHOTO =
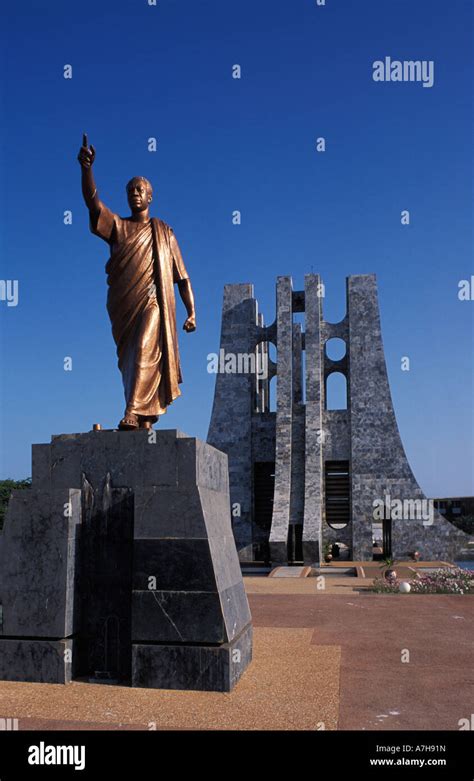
124,545
198,667
36,661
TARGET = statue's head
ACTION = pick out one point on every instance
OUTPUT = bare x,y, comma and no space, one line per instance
139,194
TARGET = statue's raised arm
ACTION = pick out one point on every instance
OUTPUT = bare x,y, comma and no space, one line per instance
86,158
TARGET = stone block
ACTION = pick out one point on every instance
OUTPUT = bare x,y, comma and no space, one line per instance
278,553
226,564
202,465
36,661
177,617
200,668
40,559
184,512
180,565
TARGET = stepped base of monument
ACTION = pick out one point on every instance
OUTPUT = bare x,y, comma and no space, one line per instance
154,666
195,667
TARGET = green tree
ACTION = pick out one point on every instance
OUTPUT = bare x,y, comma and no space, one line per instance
6,487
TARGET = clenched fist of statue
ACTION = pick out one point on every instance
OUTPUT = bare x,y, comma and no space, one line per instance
190,324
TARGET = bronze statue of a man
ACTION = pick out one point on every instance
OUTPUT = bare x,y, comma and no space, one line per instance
145,262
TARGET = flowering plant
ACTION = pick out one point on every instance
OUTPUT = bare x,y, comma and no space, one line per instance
445,580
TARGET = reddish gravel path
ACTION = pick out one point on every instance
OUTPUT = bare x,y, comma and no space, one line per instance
433,690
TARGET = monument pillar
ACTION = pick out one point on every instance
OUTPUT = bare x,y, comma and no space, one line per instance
284,422
314,434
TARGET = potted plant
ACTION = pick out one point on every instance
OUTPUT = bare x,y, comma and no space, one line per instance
327,553
388,569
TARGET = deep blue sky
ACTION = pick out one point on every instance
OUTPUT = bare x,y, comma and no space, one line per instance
225,144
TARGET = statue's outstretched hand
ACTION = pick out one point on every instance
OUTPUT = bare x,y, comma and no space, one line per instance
190,324
86,154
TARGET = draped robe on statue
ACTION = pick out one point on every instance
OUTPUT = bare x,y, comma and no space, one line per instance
145,262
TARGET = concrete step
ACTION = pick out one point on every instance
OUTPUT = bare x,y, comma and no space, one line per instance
290,572
336,572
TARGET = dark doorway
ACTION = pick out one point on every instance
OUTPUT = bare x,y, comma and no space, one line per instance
338,494
295,543
263,489
106,582
387,538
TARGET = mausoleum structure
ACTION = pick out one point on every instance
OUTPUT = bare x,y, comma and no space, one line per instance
305,476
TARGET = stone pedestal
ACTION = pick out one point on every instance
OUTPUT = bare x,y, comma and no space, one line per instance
120,564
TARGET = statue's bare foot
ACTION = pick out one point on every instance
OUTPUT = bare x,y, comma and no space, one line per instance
129,422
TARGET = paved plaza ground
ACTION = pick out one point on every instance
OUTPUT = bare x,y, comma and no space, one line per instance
329,659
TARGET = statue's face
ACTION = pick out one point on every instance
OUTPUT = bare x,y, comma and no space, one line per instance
139,196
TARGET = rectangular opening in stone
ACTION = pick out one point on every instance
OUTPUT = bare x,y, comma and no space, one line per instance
337,493
295,543
387,538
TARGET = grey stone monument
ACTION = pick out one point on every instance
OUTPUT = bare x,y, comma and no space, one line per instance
119,564
303,476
